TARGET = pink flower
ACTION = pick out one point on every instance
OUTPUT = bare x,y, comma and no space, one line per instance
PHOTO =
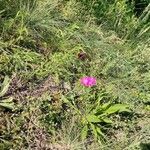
88,81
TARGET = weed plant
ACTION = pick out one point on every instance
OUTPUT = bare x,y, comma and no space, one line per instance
46,47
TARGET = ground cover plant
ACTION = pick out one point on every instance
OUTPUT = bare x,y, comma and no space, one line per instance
74,75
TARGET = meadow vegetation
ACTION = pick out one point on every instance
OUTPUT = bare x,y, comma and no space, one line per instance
46,47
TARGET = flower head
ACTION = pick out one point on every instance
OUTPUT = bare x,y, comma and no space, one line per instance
88,81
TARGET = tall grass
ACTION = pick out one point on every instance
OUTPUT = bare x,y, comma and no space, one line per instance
41,41
118,15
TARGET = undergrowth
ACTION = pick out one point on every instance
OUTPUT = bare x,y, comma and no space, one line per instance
46,47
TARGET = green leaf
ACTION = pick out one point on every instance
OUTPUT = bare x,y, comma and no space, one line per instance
84,121
93,118
84,132
116,108
106,105
65,100
107,120
99,131
147,108
7,105
100,109
94,130
5,86
7,100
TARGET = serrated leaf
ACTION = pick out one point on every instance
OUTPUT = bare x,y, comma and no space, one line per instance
93,118
84,132
116,108
5,86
